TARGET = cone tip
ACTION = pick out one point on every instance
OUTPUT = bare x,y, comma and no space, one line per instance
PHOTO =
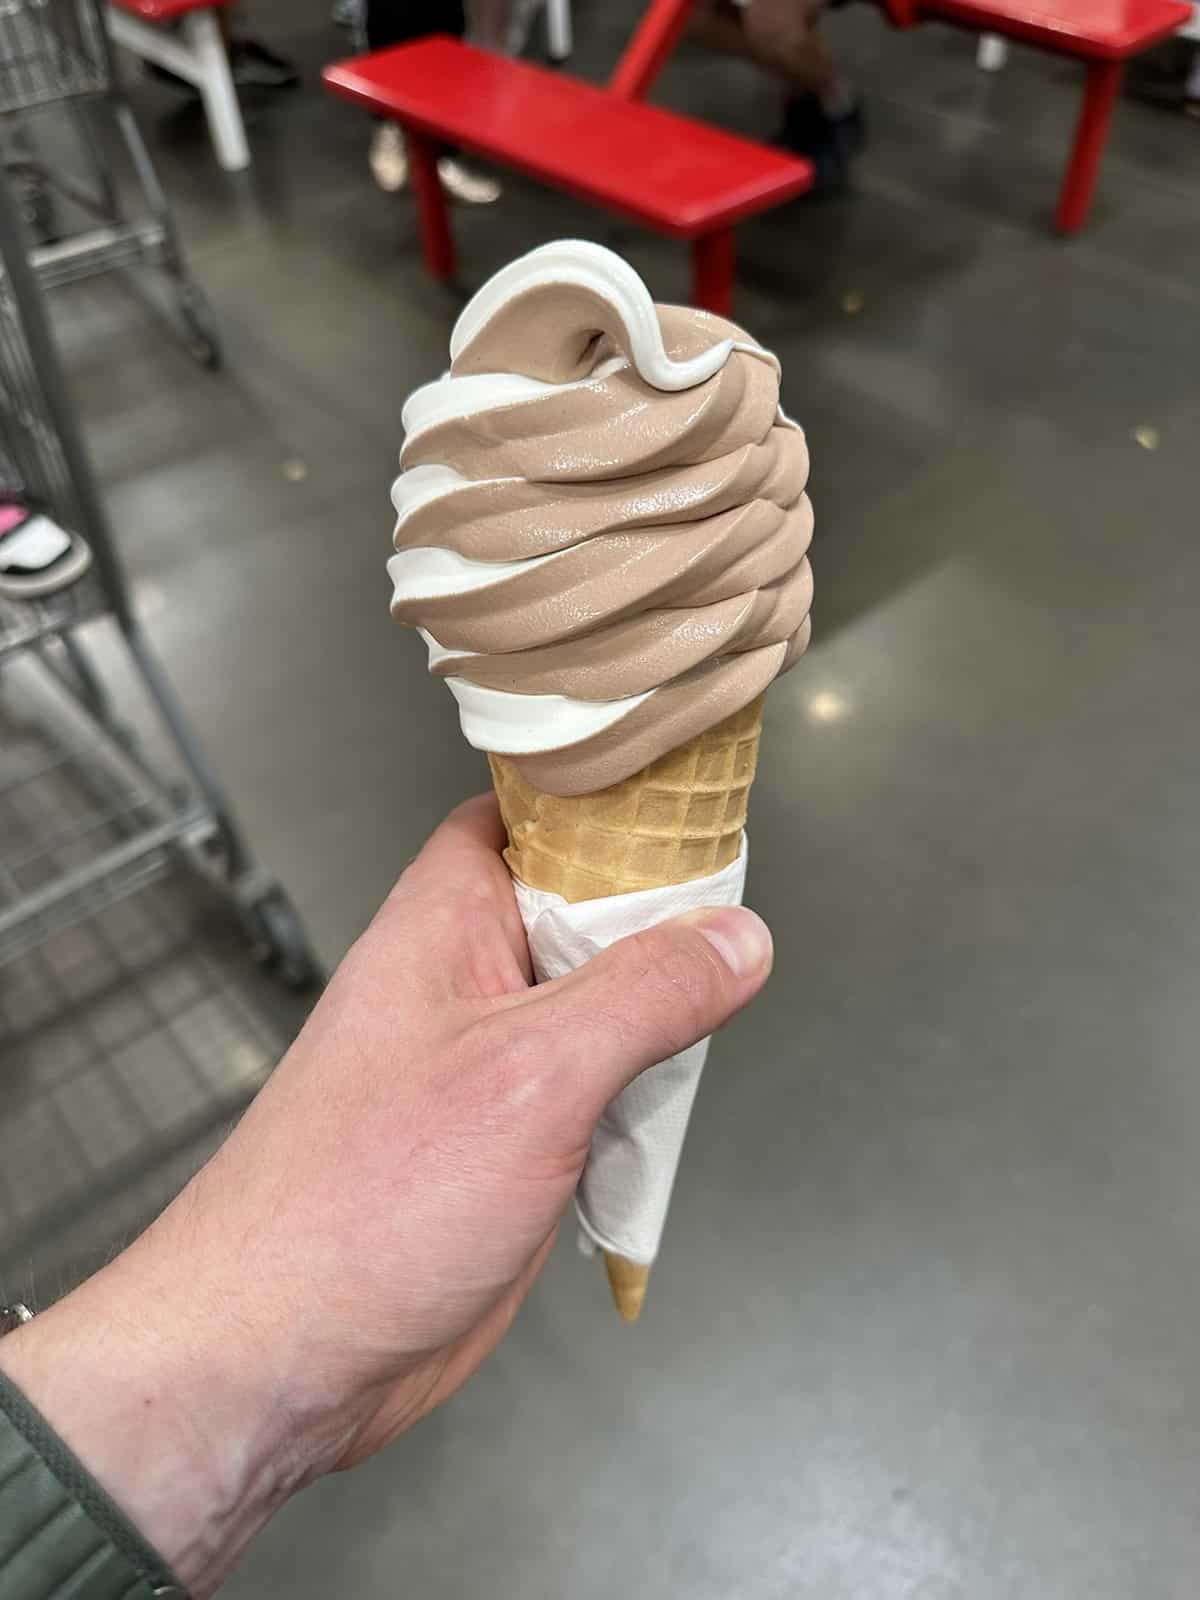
627,1280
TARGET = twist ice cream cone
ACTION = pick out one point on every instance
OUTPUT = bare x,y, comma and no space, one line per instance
602,535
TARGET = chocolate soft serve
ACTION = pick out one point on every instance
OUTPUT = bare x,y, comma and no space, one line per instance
603,529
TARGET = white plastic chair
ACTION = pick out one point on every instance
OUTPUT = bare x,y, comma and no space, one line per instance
196,53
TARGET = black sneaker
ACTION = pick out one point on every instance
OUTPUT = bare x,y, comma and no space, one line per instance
828,141
161,74
255,67
1169,91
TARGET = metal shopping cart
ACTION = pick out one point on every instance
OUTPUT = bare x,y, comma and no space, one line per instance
55,56
70,848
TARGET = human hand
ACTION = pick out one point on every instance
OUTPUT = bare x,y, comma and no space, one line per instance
364,1238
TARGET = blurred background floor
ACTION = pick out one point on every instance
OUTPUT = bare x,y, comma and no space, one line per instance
924,1325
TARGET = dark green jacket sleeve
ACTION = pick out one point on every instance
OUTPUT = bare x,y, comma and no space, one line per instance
61,1537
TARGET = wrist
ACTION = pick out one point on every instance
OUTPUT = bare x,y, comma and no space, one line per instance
167,1404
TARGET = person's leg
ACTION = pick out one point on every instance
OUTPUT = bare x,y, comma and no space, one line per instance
822,118
781,38
718,24
390,22
491,24
777,35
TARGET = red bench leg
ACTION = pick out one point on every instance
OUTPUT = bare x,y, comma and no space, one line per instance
437,242
712,272
648,52
1099,97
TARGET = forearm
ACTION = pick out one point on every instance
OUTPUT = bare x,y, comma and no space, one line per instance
363,1239
142,1377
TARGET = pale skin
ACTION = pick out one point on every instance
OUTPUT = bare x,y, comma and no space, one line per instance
776,35
364,1238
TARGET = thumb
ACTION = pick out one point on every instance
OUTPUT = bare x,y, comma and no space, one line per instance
653,994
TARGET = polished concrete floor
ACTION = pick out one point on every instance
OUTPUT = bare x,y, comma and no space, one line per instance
925,1325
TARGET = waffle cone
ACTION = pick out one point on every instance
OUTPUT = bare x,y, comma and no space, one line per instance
627,1280
679,818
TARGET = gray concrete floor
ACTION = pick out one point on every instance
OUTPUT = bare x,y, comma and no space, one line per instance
925,1322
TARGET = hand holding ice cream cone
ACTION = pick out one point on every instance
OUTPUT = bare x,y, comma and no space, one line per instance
602,537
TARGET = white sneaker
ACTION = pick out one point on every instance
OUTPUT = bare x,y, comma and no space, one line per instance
388,159
472,188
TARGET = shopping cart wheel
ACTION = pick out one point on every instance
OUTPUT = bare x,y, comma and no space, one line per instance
281,942
200,329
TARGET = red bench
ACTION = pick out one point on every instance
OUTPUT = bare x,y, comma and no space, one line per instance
1103,34
166,10
680,177
184,36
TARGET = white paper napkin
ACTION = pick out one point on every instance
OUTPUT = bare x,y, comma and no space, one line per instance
625,1189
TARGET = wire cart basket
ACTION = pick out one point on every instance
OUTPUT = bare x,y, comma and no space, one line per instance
56,56
69,851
